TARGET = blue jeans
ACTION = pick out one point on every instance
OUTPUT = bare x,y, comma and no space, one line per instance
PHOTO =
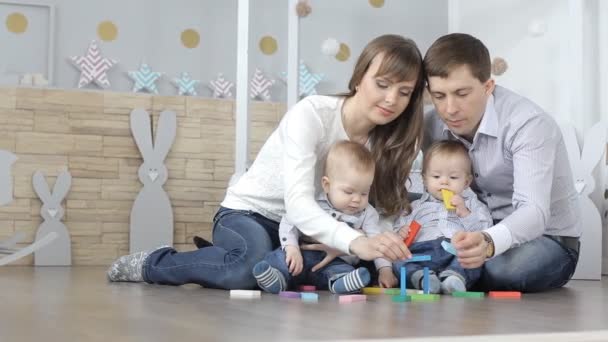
320,279
241,239
537,265
440,261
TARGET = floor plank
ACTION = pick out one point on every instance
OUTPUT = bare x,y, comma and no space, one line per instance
78,304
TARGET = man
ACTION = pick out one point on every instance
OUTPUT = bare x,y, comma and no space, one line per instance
520,167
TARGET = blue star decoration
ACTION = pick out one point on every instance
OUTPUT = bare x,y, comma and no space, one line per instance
185,84
308,80
145,78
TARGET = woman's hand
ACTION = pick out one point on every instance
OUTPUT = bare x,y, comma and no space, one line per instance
386,245
294,260
386,278
471,248
330,254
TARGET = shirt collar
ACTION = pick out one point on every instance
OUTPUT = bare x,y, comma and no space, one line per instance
487,126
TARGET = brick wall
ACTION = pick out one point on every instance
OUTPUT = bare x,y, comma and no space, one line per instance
88,133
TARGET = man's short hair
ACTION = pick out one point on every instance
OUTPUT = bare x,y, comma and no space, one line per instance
454,50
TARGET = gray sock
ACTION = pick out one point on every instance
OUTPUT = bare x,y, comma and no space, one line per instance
434,283
129,267
452,282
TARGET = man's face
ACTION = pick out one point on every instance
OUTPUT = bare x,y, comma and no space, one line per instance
460,100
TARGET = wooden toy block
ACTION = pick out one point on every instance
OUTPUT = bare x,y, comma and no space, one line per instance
403,280
245,294
504,294
397,292
425,280
373,290
418,258
466,294
307,288
414,229
402,299
289,294
447,199
424,297
309,297
352,298
448,247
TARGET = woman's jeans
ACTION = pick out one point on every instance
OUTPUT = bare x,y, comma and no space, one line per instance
240,239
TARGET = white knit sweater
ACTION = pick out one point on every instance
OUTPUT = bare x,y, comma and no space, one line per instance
286,176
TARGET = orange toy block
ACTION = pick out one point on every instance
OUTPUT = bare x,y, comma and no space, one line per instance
504,294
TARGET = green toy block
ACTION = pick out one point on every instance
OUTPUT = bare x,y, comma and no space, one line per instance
402,299
464,294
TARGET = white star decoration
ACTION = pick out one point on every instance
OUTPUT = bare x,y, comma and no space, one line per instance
185,84
221,87
145,78
93,67
260,86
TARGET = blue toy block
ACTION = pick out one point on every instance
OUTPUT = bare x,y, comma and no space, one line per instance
417,258
403,279
448,247
425,281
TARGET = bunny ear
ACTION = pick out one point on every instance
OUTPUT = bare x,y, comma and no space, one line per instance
142,132
574,153
41,187
62,186
165,135
594,148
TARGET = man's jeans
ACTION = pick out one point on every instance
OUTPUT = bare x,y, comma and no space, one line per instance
320,279
537,265
241,239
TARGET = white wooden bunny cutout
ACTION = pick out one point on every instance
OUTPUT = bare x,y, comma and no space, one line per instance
8,246
583,165
58,253
152,215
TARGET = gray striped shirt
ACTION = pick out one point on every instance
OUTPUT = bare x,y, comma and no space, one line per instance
521,170
437,221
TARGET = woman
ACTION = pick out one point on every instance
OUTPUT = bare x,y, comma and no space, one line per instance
383,109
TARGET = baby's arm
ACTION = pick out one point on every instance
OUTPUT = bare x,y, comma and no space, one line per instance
479,217
289,235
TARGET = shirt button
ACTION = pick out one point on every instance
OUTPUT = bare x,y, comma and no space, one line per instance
489,194
333,214
284,239
476,174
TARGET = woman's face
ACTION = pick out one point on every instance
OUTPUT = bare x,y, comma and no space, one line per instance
382,99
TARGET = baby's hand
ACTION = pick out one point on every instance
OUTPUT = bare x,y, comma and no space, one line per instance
294,260
386,278
404,231
461,208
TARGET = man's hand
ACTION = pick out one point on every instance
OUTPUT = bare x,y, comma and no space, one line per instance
386,278
386,245
330,254
294,260
471,248
461,208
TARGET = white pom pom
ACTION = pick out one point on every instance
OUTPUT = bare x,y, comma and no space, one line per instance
537,28
330,47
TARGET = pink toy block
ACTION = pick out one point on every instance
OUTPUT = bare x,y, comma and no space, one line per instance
352,298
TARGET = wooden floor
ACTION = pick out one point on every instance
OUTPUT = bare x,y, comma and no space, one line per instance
78,304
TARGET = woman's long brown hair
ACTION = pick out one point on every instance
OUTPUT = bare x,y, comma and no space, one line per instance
396,144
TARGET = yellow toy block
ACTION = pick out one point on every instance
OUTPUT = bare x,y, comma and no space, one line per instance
447,199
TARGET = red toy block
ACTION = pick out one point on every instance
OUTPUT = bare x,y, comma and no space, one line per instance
414,229
504,294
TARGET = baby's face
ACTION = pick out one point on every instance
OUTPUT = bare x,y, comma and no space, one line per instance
447,172
348,190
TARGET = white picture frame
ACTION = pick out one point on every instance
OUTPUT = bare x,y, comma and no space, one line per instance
51,32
